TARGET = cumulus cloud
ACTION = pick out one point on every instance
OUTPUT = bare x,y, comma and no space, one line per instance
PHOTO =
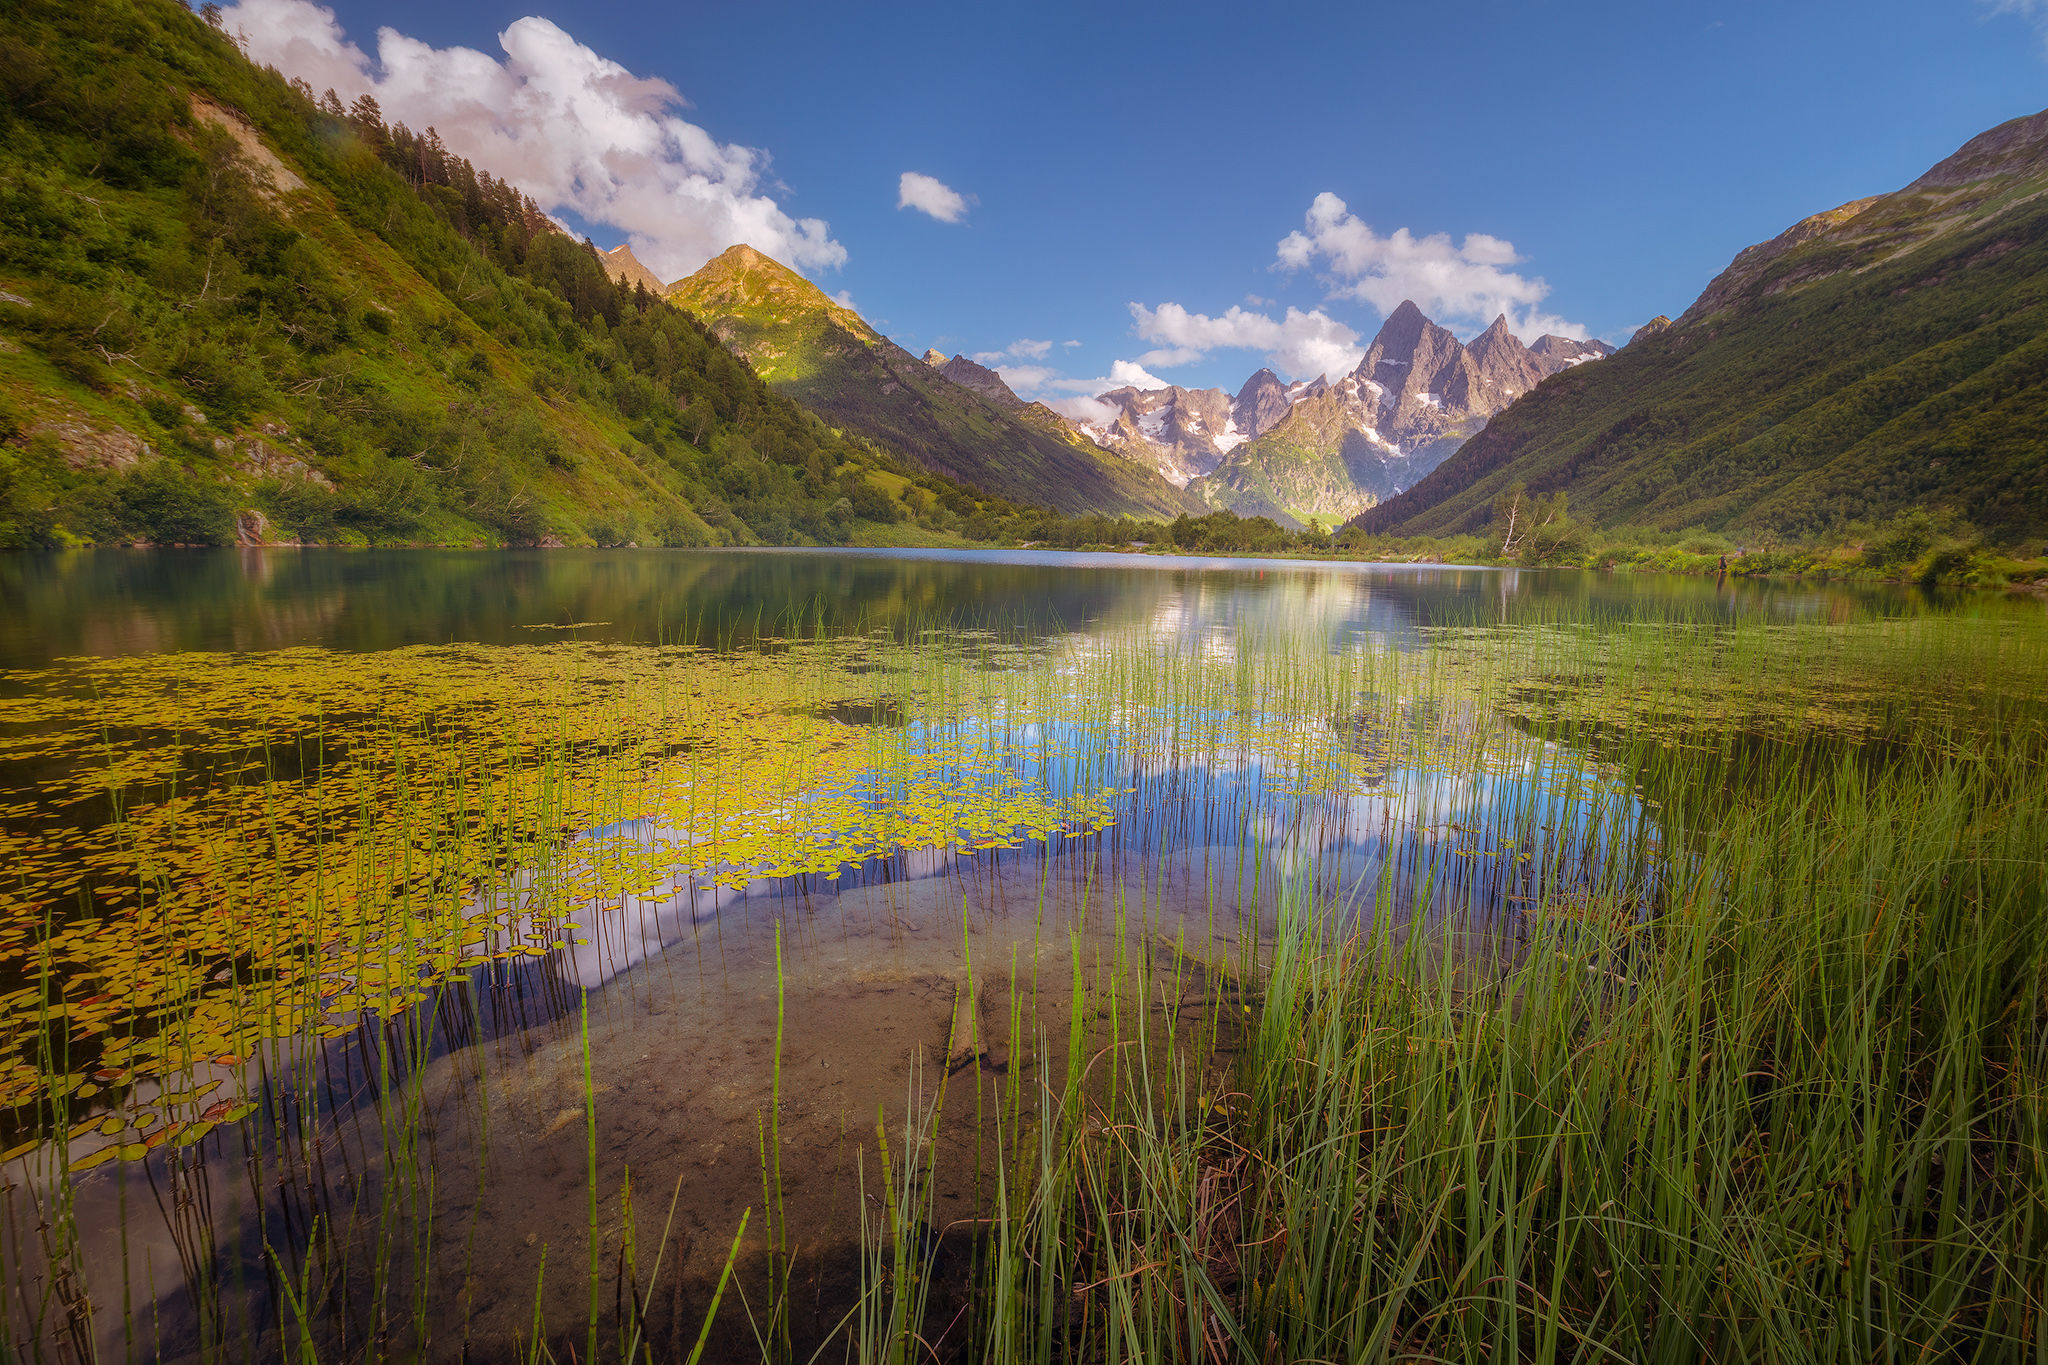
1078,402
933,197
1024,349
1171,356
1122,373
1024,379
1092,411
574,130
1466,283
1299,345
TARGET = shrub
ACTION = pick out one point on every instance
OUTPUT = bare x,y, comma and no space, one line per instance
309,511
1904,539
162,503
870,503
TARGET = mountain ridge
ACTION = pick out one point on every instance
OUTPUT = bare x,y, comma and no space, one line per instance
1416,394
1885,354
261,317
827,357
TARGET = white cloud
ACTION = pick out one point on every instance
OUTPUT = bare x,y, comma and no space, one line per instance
1024,379
1121,374
2034,12
574,130
844,298
1019,350
1092,411
933,197
1299,345
1070,344
1458,285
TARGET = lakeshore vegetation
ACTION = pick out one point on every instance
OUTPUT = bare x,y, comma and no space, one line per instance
1689,1004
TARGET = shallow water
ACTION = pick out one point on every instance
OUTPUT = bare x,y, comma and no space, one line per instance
737,1020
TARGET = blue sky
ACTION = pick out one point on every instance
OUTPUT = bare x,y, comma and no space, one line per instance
1620,154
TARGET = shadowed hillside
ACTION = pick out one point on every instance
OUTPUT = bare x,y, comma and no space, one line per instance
822,354
1890,354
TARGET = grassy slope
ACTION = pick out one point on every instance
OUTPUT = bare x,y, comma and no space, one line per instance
826,357
1829,383
351,344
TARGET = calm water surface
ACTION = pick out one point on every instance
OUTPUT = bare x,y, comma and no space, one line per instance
108,602
852,983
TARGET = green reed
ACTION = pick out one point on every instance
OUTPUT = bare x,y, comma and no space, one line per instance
1765,1082
1767,1086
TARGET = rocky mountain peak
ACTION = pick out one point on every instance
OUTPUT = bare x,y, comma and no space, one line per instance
1553,353
1403,328
934,358
622,265
979,378
1327,449
1502,365
1650,328
1408,343
1260,404
1182,433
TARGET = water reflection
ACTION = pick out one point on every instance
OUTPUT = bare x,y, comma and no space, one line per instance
444,1155
106,602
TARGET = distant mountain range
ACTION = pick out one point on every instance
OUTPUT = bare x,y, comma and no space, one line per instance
1322,450
1887,354
1292,452
1314,448
1881,355
956,418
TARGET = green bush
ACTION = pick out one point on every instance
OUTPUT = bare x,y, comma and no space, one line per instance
612,530
870,503
1903,539
304,508
165,505
25,519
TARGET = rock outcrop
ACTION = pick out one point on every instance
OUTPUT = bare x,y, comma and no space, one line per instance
1182,433
622,265
1650,329
979,378
1555,353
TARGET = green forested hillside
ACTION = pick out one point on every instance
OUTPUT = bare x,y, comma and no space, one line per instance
817,351
1887,356
231,309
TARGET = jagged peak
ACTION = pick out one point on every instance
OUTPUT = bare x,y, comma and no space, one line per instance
1400,336
1498,337
1263,379
979,378
622,265
934,357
